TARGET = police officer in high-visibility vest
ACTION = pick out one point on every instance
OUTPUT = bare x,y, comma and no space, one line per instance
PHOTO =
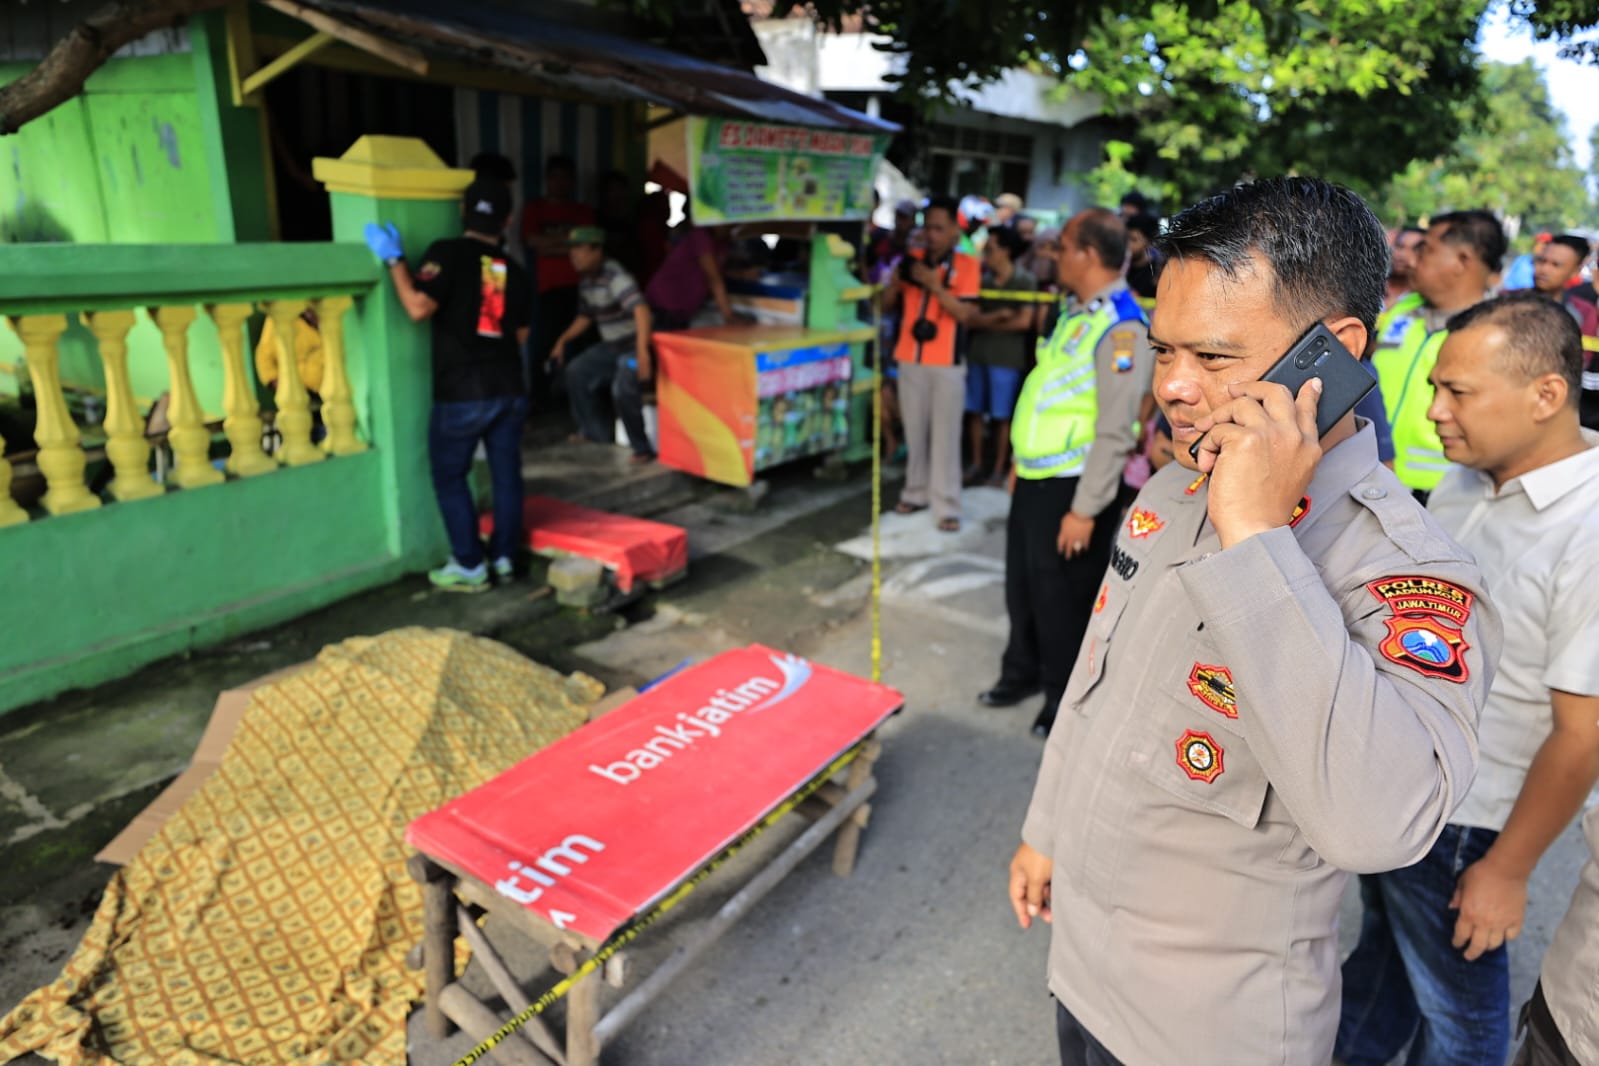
1071,434
1461,251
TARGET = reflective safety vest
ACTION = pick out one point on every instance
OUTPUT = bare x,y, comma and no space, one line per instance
1053,426
1404,359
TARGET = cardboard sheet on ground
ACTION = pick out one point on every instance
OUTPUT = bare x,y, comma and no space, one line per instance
224,722
593,829
635,549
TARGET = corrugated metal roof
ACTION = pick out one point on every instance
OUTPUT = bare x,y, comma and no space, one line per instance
578,59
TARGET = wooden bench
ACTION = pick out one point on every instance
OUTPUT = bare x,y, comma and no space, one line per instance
475,858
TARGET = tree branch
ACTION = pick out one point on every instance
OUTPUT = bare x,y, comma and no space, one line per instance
60,74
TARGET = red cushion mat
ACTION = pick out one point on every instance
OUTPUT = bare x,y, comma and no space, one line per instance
636,549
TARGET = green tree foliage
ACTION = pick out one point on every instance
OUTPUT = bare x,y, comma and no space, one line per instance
1513,157
1363,87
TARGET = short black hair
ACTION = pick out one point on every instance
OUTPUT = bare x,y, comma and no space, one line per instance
1577,244
557,161
1478,230
1014,243
1146,224
948,204
1540,336
494,166
1105,233
1327,251
1417,230
1138,200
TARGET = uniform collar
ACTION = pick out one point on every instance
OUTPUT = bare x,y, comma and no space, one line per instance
1099,299
1549,484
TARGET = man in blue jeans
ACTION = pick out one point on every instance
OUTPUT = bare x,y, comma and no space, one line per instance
476,298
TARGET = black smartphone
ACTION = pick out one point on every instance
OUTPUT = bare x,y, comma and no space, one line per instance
1319,354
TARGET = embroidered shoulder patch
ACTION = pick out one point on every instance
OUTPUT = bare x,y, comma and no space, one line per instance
1142,523
1199,756
1122,342
1424,631
1213,686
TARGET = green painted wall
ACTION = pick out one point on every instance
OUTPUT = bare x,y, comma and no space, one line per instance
125,162
94,595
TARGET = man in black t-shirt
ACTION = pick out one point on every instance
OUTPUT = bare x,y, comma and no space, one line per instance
476,299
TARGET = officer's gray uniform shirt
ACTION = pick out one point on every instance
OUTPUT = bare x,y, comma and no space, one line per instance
1240,728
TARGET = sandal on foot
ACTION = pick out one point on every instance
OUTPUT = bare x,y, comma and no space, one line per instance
949,525
909,508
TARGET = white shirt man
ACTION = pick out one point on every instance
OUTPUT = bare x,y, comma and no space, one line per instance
1524,499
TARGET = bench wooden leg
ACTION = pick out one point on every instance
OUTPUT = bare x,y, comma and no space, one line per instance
438,940
849,834
582,1014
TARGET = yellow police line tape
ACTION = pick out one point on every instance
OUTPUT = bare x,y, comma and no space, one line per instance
628,934
1590,344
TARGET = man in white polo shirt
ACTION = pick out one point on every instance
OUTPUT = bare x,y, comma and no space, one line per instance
1524,498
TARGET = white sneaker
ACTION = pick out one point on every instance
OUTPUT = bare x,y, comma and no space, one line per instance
453,577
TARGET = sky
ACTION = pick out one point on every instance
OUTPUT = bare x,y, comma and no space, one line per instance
1573,86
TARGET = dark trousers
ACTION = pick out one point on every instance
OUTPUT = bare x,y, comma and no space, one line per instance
1049,598
1544,1046
1077,1045
454,430
552,313
628,396
590,377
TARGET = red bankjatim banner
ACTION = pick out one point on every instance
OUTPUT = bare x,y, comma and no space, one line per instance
593,829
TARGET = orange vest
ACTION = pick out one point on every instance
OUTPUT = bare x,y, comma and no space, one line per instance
962,276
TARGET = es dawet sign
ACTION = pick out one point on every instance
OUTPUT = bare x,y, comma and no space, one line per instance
596,827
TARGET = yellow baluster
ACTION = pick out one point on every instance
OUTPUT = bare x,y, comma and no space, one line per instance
10,513
60,458
294,406
243,421
338,401
125,445
190,440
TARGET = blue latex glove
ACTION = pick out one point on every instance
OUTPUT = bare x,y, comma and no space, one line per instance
384,240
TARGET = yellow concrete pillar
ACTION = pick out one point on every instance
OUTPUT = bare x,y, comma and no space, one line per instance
125,445
190,440
338,401
242,421
294,404
60,458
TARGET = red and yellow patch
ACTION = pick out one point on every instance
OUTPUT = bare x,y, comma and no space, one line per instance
1300,512
1142,523
1099,604
1199,756
1424,632
428,271
1193,486
1213,686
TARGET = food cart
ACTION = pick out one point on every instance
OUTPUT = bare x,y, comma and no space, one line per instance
735,400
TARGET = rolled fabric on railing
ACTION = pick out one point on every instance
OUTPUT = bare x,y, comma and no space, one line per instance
126,445
338,401
190,440
60,458
294,404
242,421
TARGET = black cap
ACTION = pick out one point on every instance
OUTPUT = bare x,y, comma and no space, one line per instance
488,205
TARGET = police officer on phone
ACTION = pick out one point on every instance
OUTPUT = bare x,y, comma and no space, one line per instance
1280,682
